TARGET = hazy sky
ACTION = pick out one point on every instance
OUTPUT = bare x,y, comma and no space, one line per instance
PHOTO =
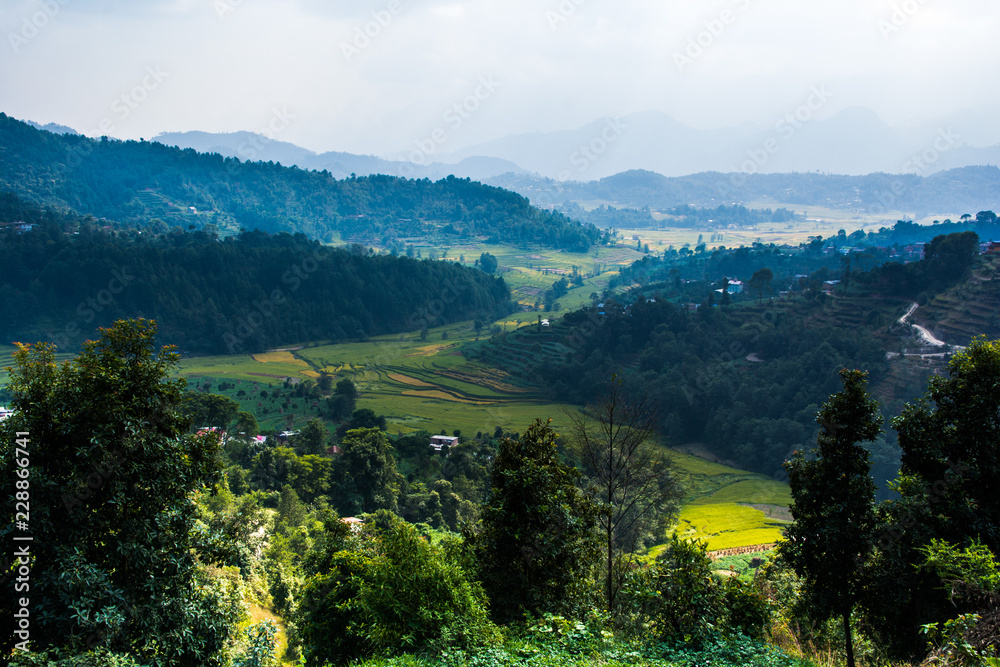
308,70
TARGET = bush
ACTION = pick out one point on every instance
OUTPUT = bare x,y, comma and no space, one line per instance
392,593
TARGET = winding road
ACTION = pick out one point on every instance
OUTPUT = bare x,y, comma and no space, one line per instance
926,335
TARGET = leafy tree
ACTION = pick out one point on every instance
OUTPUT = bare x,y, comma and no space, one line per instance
247,424
948,490
365,472
112,473
634,482
488,263
389,592
212,410
537,545
833,498
760,282
363,418
312,439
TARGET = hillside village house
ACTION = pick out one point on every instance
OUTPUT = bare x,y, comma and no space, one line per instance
440,441
5,413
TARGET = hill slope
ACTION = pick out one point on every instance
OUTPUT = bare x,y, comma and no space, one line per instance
136,181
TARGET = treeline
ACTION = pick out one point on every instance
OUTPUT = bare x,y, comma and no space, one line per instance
139,180
684,216
242,294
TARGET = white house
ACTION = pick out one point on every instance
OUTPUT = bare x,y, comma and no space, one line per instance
4,413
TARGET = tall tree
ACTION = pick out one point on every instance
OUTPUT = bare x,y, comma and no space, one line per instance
833,503
760,282
537,544
111,479
633,480
949,489
365,472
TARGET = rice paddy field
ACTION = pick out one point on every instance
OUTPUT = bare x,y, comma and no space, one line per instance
429,385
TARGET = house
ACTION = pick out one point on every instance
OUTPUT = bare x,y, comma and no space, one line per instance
993,247
735,286
440,441
545,323
5,413
353,522
828,285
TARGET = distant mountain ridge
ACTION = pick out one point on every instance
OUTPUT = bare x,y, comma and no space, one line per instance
253,146
960,190
854,141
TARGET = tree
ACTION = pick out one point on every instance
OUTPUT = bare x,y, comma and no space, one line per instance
954,430
213,410
488,263
537,545
833,503
312,439
343,401
760,282
114,552
365,472
389,591
634,482
948,490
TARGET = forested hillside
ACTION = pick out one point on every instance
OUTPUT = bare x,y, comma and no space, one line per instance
139,181
740,375
66,276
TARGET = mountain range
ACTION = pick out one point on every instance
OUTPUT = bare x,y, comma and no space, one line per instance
853,141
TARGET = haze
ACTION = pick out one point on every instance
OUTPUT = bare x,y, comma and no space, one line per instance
305,72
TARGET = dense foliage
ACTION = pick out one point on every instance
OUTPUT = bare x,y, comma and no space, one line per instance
243,294
114,557
138,180
537,548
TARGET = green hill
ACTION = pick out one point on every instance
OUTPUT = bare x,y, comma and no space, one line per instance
136,181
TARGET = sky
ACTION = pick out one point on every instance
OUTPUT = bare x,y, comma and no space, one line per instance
379,76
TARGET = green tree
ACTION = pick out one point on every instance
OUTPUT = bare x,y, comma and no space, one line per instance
389,591
537,545
948,490
247,424
312,439
212,410
112,475
488,263
365,472
760,282
833,503
634,482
